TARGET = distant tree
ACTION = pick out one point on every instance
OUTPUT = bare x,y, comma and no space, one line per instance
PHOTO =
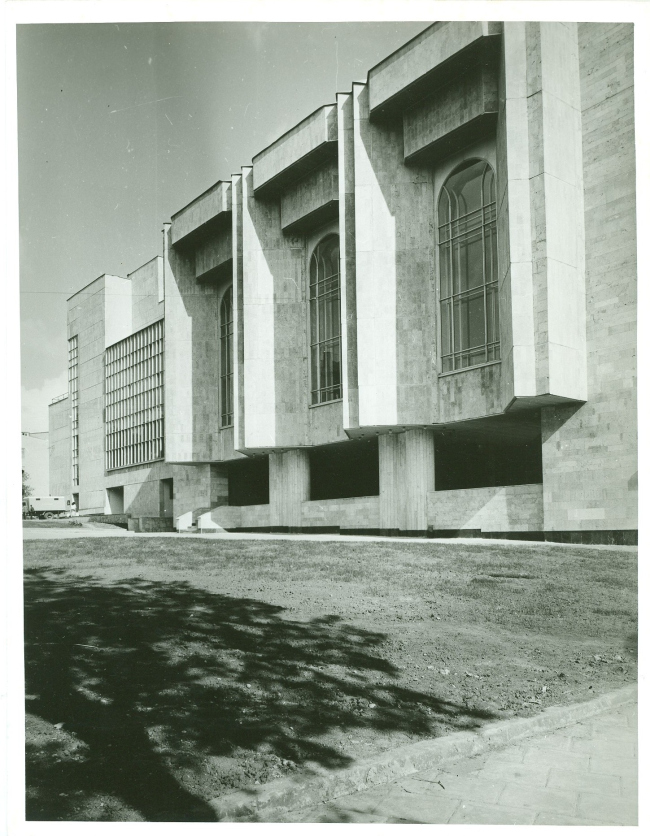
27,489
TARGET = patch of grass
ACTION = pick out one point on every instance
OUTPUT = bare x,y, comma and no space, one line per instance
185,668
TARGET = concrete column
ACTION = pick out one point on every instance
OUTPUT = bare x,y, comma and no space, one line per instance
406,475
288,487
419,462
218,485
391,491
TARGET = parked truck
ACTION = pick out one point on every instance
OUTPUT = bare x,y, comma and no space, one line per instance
48,507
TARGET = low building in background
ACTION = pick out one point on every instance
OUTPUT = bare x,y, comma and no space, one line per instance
414,313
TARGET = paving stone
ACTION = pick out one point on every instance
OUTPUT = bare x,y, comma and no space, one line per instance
556,819
471,813
475,787
584,782
580,730
539,798
606,747
518,773
425,809
512,754
554,742
608,809
567,760
625,767
365,801
467,766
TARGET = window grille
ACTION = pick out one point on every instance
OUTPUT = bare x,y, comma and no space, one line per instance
325,321
134,398
226,358
467,238
73,390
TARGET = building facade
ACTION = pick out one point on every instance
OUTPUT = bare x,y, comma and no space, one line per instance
414,313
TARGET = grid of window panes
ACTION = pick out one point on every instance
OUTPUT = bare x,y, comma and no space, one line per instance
226,358
325,321
134,398
73,392
469,304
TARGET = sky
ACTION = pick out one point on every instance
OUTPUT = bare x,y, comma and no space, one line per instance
120,125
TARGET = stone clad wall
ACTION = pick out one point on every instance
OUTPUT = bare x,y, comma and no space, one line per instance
513,508
87,319
354,512
590,453
60,451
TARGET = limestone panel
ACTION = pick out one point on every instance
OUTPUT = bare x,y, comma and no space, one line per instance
545,244
191,367
242,516
60,450
86,319
238,313
471,393
420,62
513,508
147,300
355,512
213,252
514,229
288,487
455,114
590,452
276,384
325,424
201,212
296,152
347,237
406,476
394,277
259,223
311,201
119,307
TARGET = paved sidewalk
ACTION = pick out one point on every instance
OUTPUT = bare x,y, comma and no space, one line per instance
583,774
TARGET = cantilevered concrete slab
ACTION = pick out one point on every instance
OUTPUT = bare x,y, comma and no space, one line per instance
299,151
208,212
431,59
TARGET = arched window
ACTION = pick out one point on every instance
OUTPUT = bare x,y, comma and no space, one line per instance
467,238
325,321
226,358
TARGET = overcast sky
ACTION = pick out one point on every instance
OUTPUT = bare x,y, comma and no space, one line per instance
121,125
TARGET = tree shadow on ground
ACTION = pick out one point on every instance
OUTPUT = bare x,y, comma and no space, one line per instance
154,677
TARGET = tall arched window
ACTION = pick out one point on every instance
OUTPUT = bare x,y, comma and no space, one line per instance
226,358
325,321
467,238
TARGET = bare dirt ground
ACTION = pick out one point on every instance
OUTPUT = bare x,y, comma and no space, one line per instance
164,672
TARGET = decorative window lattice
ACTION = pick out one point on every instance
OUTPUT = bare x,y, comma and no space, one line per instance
467,239
325,321
73,392
134,398
226,358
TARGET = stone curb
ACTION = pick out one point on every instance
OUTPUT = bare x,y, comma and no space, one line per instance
288,794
